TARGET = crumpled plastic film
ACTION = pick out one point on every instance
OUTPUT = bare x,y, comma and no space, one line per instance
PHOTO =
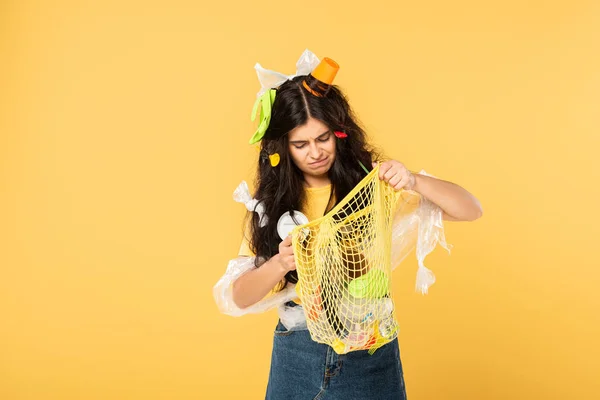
404,238
269,79
292,317
422,228
431,232
223,291
242,195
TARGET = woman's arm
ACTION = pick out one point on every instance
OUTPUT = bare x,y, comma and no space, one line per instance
456,203
254,285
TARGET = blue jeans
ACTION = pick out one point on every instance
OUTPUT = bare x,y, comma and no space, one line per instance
302,369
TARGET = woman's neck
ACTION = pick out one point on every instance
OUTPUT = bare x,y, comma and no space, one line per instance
316,181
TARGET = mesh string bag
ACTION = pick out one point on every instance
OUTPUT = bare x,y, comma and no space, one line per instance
344,267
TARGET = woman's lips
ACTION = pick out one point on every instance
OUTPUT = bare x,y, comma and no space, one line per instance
318,163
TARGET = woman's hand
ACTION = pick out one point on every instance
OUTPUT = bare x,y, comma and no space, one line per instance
396,174
285,258
457,204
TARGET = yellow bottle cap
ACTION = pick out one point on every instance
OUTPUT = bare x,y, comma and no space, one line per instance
338,346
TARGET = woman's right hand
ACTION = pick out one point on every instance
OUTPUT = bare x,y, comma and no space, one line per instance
286,255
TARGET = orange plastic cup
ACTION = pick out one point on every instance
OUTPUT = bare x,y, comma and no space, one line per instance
326,71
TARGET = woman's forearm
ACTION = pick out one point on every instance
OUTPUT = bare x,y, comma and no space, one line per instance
254,285
456,202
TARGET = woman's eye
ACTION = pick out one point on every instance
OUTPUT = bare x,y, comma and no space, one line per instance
299,146
324,139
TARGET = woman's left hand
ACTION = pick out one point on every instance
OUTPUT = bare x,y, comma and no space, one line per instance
396,174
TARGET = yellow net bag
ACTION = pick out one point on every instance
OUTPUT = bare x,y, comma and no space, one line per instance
344,268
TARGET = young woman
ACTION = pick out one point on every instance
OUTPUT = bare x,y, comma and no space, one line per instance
313,153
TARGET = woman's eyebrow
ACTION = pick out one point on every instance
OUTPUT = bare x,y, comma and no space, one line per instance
305,141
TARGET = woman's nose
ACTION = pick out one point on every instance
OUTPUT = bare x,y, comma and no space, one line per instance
314,151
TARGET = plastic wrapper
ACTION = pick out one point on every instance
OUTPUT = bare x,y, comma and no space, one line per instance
271,79
423,228
242,195
292,317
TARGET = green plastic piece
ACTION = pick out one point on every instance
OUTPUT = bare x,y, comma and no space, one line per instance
373,284
266,106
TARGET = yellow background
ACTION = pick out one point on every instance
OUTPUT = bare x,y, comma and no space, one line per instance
123,132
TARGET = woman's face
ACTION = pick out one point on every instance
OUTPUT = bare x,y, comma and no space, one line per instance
312,147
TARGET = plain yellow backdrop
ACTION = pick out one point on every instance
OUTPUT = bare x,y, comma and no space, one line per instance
123,133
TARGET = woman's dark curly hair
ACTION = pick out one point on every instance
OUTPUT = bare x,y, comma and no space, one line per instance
281,189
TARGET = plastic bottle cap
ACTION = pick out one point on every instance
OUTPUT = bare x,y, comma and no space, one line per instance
338,346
